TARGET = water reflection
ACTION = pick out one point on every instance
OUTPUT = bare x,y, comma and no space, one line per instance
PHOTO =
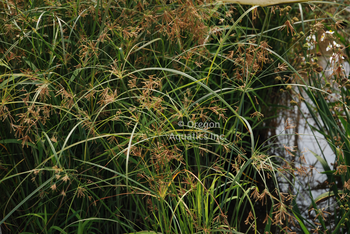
298,144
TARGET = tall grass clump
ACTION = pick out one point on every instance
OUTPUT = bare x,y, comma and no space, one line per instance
130,116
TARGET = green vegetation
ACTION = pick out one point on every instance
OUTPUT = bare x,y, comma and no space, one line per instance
152,117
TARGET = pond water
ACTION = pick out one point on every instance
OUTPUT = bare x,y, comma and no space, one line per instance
304,144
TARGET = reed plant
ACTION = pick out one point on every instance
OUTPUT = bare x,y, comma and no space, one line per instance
142,116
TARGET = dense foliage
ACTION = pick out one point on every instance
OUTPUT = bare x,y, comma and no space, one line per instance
127,116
